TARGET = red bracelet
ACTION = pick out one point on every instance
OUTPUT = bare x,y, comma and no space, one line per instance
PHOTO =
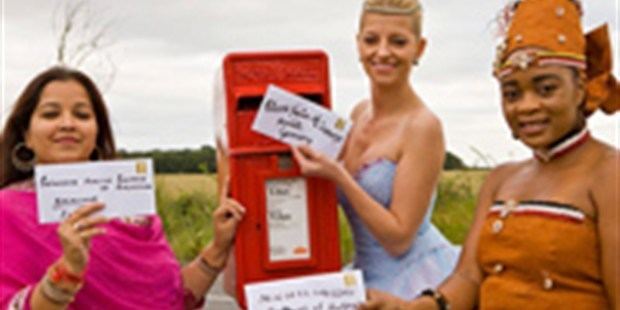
60,273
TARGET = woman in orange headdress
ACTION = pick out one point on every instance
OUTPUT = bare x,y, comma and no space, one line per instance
545,234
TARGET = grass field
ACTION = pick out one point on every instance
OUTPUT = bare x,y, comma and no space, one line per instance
185,203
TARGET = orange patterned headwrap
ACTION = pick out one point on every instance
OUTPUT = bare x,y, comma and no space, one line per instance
554,27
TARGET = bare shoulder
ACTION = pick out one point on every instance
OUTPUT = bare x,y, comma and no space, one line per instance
508,168
604,190
610,157
359,109
423,121
499,174
607,164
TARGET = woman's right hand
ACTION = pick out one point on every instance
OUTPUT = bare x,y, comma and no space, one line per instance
75,234
315,164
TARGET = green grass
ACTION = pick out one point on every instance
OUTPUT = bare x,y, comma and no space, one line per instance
185,203
346,238
186,215
456,203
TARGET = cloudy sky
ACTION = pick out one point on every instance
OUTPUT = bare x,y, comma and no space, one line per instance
166,54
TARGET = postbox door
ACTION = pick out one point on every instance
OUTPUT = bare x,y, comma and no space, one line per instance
289,221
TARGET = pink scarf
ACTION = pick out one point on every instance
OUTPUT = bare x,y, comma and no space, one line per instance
130,267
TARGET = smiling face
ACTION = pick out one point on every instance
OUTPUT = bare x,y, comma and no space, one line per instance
541,104
387,47
63,126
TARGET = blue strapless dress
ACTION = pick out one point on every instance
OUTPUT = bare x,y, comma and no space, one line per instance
429,260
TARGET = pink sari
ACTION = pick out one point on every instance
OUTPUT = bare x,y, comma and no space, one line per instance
131,267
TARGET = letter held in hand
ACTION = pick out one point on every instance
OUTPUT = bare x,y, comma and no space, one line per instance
126,188
295,120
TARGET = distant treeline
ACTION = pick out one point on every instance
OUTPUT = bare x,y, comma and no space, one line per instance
453,162
202,160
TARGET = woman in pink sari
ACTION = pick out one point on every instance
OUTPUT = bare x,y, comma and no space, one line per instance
86,261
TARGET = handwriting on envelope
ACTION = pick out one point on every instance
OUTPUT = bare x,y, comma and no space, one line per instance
126,188
339,290
295,120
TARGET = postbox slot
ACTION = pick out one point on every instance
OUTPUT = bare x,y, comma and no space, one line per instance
252,103
249,103
285,162
316,98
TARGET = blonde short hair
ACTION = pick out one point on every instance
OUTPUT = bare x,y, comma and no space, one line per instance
412,8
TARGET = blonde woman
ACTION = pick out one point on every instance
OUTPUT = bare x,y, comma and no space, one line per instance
391,163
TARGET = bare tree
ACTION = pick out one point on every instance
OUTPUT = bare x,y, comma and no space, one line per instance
84,40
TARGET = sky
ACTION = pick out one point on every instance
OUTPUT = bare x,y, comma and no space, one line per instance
166,54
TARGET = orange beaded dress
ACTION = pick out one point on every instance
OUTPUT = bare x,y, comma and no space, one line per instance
540,255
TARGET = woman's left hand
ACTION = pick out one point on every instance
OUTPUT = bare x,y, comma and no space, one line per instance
315,164
226,218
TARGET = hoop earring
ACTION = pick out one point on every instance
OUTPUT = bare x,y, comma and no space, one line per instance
17,157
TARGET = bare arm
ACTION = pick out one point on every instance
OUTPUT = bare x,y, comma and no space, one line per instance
222,167
416,177
395,227
605,195
199,279
462,287
200,274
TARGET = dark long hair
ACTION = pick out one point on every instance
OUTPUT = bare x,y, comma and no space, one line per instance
19,120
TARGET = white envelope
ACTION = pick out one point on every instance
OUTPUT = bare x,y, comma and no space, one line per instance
126,187
338,290
294,120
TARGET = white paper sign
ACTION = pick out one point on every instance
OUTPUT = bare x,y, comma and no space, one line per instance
341,290
287,219
126,188
295,120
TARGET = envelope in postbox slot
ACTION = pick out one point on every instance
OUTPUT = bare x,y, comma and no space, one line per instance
295,120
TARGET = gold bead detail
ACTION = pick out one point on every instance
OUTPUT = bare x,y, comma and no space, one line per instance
559,11
518,38
561,38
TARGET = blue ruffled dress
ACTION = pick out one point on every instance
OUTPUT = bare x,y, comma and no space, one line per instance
429,260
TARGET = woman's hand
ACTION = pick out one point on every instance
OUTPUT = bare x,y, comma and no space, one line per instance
315,164
226,218
378,300
214,256
75,234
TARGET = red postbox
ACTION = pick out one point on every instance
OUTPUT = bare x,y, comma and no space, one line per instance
291,225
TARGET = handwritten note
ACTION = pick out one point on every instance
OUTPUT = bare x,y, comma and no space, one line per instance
331,291
295,120
125,187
